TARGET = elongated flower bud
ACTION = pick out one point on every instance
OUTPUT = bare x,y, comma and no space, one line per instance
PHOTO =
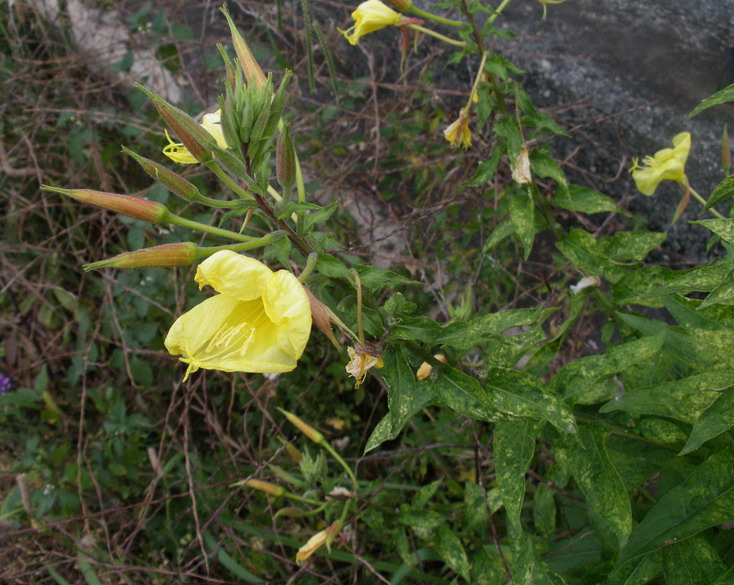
322,316
306,429
402,5
166,177
195,138
134,207
725,151
265,486
285,159
178,254
252,70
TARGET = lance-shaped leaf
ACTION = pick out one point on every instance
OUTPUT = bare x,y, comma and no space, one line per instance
719,417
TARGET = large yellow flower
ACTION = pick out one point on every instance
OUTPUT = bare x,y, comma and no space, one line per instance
260,321
667,164
369,17
177,152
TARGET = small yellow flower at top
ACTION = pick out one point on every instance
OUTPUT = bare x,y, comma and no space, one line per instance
667,164
370,16
259,322
362,359
177,152
458,132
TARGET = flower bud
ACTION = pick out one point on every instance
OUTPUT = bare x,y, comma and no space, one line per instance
322,316
306,429
194,136
265,486
285,159
178,254
251,69
134,207
317,541
289,512
166,177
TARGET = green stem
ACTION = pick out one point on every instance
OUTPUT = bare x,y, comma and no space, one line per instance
358,286
498,11
701,200
244,247
202,227
441,19
439,36
310,265
325,444
227,180
475,85
301,188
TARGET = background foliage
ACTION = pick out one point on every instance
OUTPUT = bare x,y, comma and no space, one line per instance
570,438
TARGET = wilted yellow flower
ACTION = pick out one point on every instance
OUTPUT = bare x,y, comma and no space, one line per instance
369,17
667,164
361,359
521,167
458,132
260,322
177,152
317,541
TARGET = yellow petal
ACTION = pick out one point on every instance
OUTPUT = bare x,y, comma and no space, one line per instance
212,124
234,275
667,164
369,17
177,152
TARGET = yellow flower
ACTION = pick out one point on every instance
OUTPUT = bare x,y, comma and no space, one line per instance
177,152
458,132
369,17
667,164
260,321
317,541
362,359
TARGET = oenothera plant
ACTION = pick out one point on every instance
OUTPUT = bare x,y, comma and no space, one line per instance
615,467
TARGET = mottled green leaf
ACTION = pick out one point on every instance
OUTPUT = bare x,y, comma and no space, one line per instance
584,200
421,498
522,214
722,96
462,394
638,571
377,278
608,503
451,550
519,395
701,279
486,169
691,562
724,228
404,400
682,400
546,167
705,498
717,418
726,579
579,376
544,510
528,570
721,294
514,446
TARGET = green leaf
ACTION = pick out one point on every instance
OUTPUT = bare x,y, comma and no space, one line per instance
377,278
517,394
502,231
404,400
320,215
544,510
522,214
691,561
722,293
716,419
701,279
486,169
722,96
514,446
608,503
545,167
639,571
450,549
584,200
331,267
726,579
704,499
575,379
683,400
462,394
724,228
721,193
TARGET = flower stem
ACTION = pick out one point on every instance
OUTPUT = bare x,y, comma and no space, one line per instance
441,19
202,227
475,85
204,252
325,444
439,36
498,11
702,201
358,285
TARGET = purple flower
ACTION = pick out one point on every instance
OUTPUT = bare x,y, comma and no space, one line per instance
6,384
